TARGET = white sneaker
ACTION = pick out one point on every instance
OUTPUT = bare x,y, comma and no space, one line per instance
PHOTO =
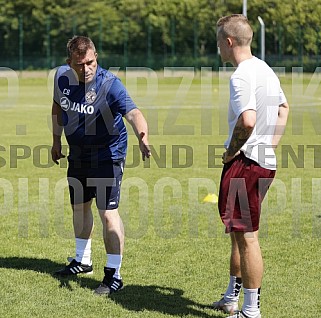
240,314
228,307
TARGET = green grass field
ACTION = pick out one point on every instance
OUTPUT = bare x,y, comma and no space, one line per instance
176,253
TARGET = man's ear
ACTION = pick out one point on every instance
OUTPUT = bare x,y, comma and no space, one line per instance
68,61
229,42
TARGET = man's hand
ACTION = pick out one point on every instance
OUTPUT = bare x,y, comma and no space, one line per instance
56,152
227,157
139,124
241,133
144,146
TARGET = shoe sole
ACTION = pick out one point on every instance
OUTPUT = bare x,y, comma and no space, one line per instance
108,294
70,275
225,309
87,273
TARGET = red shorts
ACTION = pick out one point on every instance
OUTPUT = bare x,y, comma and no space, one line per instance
244,184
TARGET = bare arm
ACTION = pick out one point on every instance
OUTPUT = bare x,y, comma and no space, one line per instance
241,133
57,128
280,124
139,124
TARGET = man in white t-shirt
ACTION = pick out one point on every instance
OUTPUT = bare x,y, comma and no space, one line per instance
257,116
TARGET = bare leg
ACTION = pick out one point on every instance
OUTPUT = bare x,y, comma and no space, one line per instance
113,231
251,259
235,262
83,227
229,303
83,220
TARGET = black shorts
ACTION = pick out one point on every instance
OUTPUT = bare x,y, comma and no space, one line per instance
101,182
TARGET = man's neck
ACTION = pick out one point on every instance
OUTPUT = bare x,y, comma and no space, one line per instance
241,54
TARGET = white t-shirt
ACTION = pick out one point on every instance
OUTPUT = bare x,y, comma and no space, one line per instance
255,86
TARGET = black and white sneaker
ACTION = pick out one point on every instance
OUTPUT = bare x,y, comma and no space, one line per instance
240,314
75,268
110,284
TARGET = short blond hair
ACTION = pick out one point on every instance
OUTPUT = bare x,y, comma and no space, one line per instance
237,27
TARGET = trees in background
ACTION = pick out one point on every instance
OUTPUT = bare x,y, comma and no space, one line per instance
151,28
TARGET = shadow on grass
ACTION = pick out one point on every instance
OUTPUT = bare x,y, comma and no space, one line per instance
46,266
170,301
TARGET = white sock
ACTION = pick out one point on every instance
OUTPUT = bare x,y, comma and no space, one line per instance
251,305
83,251
233,290
114,261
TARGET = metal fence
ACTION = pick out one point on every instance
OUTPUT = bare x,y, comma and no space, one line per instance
24,57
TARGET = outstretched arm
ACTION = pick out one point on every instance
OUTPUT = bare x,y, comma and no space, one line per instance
139,124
